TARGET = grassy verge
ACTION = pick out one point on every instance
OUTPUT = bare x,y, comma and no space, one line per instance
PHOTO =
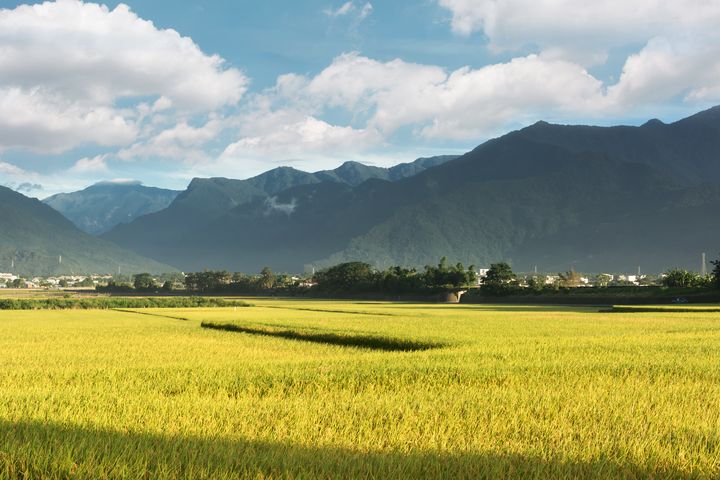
115,302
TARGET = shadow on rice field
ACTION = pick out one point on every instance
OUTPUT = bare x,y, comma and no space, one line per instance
32,449
372,342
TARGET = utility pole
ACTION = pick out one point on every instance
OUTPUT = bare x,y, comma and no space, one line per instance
703,269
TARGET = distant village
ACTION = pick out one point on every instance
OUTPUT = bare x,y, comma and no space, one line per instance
10,280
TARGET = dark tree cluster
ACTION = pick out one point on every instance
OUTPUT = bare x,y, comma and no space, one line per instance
223,281
678,278
359,277
499,280
715,275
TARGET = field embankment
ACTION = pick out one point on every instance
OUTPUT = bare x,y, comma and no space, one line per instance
104,303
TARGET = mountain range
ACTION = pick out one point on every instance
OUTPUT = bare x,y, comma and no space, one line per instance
551,196
37,240
104,205
163,234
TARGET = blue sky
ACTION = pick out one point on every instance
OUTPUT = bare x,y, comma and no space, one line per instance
162,91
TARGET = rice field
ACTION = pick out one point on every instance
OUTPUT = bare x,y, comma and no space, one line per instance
332,389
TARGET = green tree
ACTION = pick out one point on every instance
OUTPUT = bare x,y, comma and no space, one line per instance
63,283
445,277
208,281
144,282
346,277
536,283
267,279
570,278
603,280
500,279
716,273
401,280
678,278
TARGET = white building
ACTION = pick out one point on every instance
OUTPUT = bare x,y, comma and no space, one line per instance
481,273
4,277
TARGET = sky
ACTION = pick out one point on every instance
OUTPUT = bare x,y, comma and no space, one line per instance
164,91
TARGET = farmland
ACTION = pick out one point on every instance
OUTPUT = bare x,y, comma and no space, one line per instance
318,389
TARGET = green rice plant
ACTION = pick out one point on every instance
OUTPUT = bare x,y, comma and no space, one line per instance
372,342
514,392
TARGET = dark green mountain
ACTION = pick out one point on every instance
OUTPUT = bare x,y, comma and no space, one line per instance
592,198
158,235
102,206
35,236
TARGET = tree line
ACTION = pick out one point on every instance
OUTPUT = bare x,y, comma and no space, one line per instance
361,277
349,277
501,280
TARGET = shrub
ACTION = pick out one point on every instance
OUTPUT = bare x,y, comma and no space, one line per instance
500,280
678,278
116,302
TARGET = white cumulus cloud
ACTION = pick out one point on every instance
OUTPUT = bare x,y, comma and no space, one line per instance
463,104
306,137
67,65
512,24
96,164
182,141
10,170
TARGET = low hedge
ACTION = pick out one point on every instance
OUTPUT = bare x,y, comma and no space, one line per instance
116,302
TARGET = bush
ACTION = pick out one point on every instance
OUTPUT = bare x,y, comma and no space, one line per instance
116,302
346,277
683,279
716,274
500,280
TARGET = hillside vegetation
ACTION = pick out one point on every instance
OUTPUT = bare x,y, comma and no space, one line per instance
33,236
551,196
102,206
160,235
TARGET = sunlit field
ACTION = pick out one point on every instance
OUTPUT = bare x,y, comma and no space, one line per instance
320,389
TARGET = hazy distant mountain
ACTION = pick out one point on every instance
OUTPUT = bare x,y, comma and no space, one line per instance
35,236
102,206
207,199
592,198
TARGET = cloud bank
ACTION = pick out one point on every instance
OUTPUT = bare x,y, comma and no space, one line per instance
75,73
144,95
